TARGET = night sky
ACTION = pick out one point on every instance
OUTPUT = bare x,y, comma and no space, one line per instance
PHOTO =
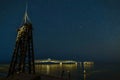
64,29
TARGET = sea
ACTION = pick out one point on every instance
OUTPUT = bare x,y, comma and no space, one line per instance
96,71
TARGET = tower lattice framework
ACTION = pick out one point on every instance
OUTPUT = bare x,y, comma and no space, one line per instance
23,54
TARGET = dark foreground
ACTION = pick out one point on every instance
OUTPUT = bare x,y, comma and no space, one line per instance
24,76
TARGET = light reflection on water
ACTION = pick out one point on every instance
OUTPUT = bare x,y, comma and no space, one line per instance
54,68
74,71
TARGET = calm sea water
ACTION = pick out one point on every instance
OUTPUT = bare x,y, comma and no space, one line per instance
76,71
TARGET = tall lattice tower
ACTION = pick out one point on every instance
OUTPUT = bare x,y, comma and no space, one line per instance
23,55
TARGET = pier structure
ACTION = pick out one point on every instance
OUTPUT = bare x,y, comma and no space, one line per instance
52,61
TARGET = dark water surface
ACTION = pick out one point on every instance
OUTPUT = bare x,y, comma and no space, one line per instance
76,71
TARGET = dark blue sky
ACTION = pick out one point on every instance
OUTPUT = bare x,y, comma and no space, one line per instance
64,29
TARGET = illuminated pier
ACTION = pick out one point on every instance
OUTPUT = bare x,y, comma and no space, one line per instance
52,61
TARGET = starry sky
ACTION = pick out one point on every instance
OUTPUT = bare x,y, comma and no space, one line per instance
64,29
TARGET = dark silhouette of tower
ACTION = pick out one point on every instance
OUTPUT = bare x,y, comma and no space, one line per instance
23,55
